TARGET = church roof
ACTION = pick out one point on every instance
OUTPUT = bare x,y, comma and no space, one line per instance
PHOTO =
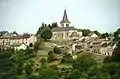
65,19
63,29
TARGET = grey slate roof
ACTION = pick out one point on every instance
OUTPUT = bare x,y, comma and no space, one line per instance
65,19
63,29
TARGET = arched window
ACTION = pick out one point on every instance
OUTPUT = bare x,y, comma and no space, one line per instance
61,34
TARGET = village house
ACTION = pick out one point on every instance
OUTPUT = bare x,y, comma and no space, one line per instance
65,31
18,46
93,45
20,39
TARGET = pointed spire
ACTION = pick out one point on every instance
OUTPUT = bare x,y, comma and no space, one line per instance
65,19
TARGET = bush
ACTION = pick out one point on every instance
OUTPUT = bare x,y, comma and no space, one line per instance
67,58
46,33
51,56
56,50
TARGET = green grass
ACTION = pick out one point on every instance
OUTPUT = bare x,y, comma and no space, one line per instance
65,65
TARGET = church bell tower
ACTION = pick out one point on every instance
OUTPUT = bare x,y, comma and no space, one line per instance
65,22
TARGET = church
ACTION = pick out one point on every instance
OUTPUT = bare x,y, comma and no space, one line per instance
65,31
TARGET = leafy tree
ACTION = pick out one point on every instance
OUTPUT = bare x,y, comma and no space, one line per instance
38,45
54,24
56,50
83,62
43,62
40,28
46,33
67,58
49,26
112,64
85,32
112,69
48,73
51,56
81,67
117,35
15,33
116,53
97,33
105,35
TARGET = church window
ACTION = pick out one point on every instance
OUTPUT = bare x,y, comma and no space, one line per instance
61,35
67,25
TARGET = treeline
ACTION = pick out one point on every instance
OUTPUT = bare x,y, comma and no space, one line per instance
86,32
43,25
45,31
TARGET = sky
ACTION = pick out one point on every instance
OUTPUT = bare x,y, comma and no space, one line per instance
27,15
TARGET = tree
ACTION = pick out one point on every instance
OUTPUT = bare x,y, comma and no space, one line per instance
43,62
85,32
97,33
46,33
15,33
54,24
40,28
48,73
105,35
112,64
56,50
116,53
51,56
117,35
67,58
81,67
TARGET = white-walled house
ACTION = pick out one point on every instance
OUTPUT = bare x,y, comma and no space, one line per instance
93,35
26,39
21,46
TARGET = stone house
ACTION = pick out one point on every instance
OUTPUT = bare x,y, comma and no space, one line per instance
26,39
99,46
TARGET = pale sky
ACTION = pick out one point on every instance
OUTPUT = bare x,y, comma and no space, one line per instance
27,15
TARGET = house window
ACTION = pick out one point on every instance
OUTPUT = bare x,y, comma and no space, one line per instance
26,39
26,42
61,35
67,25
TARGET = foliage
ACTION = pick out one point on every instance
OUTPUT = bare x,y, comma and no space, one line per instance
38,45
56,50
105,35
43,25
46,33
117,35
31,45
43,62
86,32
51,56
40,28
97,33
112,64
67,58
13,62
48,73
85,67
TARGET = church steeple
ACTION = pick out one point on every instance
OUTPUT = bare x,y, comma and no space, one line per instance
65,22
